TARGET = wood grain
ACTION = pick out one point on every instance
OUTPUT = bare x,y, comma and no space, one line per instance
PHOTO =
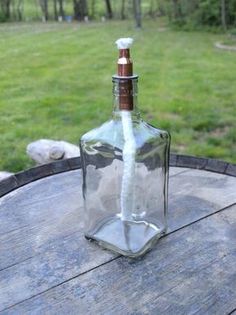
191,271
176,160
41,237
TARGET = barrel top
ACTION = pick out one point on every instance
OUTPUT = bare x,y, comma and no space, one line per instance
24,177
48,267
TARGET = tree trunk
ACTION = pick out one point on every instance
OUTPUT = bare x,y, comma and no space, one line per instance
5,6
109,9
19,10
61,8
75,6
55,10
151,9
122,12
161,9
44,8
93,8
137,13
223,15
177,10
13,10
8,10
80,9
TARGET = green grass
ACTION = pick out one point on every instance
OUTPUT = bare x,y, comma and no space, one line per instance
55,82
230,41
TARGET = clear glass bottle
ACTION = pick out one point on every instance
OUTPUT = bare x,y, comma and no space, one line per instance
125,182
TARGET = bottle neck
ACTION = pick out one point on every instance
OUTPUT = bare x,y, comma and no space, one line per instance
125,96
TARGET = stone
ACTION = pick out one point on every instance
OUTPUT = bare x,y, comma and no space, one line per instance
4,175
45,151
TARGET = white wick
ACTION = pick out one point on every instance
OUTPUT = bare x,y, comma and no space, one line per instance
128,179
124,43
129,150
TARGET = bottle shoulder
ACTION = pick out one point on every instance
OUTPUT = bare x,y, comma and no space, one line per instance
155,131
111,133
103,133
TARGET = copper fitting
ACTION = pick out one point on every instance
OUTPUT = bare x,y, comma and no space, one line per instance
126,94
125,65
125,70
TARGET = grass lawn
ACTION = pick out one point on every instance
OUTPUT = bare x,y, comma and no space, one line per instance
55,82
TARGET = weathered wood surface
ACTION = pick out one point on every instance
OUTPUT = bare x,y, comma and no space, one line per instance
22,178
47,267
192,271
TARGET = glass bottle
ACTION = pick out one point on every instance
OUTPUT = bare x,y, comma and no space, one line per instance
125,177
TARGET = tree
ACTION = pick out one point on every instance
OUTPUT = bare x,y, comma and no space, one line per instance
80,9
44,7
5,8
92,8
19,10
223,15
61,8
137,13
194,13
151,8
122,11
60,11
109,9
55,10
177,9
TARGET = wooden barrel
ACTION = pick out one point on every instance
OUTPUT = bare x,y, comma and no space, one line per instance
48,267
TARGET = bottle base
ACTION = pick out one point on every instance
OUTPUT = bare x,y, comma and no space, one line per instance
128,238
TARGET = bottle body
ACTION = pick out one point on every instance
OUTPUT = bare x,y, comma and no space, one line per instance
125,196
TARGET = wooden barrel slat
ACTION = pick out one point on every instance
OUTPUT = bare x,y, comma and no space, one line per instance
192,271
22,178
42,243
